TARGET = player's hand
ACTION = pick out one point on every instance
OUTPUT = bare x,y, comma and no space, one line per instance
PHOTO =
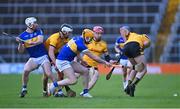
18,40
56,68
117,55
113,61
108,64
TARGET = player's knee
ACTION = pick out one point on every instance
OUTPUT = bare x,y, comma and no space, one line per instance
26,72
73,80
144,71
86,72
60,75
48,74
96,74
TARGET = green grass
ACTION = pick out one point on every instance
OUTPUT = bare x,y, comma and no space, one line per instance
153,91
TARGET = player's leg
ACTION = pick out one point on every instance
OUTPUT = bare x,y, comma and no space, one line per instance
45,82
47,70
78,68
93,77
29,66
124,62
70,92
139,75
67,70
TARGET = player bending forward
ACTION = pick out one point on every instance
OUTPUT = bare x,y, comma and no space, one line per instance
53,44
68,67
134,49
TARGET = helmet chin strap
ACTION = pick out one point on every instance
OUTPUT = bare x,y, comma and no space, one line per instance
63,35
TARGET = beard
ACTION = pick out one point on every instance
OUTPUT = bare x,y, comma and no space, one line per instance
97,39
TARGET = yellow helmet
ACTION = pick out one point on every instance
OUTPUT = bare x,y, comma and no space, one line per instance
88,33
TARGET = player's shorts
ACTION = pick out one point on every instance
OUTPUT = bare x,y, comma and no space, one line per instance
62,64
132,49
40,60
124,62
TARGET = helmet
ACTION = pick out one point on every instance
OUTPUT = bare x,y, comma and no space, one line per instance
126,27
30,20
66,28
88,33
98,29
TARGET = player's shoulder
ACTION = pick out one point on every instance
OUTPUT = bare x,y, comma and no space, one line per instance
120,40
78,39
145,35
23,35
135,34
55,35
38,30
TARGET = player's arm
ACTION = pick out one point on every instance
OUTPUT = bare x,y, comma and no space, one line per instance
116,48
96,58
146,41
21,48
51,54
106,53
39,40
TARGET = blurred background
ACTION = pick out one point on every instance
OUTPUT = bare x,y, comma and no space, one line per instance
159,19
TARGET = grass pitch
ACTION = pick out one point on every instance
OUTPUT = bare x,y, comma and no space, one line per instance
153,91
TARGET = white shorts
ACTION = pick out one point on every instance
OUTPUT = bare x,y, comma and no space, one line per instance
40,60
62,64
124,62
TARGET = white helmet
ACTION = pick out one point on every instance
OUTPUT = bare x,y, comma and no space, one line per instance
30,20
66,28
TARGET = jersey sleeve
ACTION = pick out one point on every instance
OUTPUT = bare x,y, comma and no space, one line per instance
40,32
53,40
81,46
145,38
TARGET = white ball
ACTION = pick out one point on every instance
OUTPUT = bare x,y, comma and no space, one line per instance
175,94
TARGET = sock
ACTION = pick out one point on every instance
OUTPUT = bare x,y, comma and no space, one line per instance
44,89
24,86
60,90
67,88
129,82
55,84
136,81
85,91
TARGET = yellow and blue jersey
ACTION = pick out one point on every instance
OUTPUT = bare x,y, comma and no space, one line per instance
120,41
34,51
75,46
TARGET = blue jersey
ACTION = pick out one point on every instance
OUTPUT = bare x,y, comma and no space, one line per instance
34,51
119,41
71,49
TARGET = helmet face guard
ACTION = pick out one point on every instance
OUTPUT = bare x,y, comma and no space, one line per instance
87,40
87,35
31,22
66,29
